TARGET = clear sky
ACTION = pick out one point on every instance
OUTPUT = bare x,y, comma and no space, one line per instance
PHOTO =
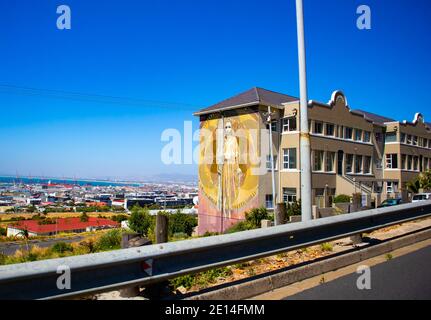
190,53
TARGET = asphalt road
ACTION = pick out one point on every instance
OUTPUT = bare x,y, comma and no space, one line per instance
11,247
405,277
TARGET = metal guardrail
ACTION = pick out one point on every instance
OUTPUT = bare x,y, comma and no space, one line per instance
111,270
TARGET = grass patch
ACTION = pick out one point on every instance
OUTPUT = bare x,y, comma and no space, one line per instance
326,247
201,280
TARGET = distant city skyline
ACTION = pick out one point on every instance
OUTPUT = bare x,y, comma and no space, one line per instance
93,101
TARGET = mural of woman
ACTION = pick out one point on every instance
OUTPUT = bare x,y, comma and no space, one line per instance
231,175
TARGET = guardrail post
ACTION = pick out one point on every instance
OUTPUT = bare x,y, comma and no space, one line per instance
356,206
161,228
129,240
154,291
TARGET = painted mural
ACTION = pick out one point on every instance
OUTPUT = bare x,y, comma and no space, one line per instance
228,183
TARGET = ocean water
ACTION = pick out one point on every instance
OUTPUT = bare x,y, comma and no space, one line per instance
27,180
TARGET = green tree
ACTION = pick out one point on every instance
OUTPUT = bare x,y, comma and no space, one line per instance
294,208
141,221
181,223
3,231
255,216
109,240
84,217
62,247
422,181
252,220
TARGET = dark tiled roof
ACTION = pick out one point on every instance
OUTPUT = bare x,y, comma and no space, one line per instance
252,96
428,124
374,117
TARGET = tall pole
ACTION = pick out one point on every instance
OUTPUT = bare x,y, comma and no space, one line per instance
276,222
305,153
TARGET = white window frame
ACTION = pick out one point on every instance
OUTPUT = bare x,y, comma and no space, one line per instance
286,153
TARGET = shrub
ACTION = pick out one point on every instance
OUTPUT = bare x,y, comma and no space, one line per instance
255,216
3,231
84,217
181,223
294,208
326,246
252,220
186,281
62,247
240,226
210,234
342,198
119,218
109,240
3,258
141,221
89,245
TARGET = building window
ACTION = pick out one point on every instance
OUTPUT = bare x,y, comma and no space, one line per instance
409,162
348,133
273,126
358,164
330,158
318,127
329,129
341,132
318,160
403,138
391,187
367,136
392,161
358,135
268,162
420,141
391,137
289,195
367,164
409,139
289,158
415,140
289,124
403,161
268,201
425,143
416,163
349,163
378,136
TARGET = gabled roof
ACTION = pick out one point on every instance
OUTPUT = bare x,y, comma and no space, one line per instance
254,96
374,117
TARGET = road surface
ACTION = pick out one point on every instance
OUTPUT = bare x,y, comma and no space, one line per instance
404,277
11,247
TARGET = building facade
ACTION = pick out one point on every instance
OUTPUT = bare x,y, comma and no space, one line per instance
352,151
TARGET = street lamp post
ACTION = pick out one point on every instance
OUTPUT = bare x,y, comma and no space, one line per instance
274,203
305,153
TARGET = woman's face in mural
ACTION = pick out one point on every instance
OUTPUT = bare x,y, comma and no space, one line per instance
228,128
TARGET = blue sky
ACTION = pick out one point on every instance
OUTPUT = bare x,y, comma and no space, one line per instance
190,53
